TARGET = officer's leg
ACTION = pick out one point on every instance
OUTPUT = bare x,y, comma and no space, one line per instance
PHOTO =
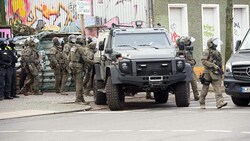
8,81
2,79
36,85
57,79
194,87
85,84
27,86
218,94
204,91
79,85
65,75
13,84
22,77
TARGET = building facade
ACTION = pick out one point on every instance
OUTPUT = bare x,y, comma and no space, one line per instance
201,19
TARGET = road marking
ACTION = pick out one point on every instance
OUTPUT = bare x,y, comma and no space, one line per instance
240,112
119,130
63,131
219,131
9,131
151,130
245,132
91,131
35,131
183,130
103,112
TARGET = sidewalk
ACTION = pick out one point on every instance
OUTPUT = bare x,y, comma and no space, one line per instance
48,103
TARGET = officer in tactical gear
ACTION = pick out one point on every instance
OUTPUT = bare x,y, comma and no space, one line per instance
5,63
30,60
58,62
185,47
212,62
78,57
88,80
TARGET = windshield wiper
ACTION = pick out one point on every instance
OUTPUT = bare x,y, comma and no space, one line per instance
127,46
149,46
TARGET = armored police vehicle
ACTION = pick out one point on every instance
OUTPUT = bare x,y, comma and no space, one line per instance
133,60
237,74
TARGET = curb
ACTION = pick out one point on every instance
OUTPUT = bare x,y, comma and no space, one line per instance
87,108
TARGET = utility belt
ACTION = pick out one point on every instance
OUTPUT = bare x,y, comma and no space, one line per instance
77,64
4,66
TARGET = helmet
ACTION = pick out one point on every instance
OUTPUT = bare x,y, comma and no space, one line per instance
31,41
80,40
213,42
185,40
89,40
72,38
55,41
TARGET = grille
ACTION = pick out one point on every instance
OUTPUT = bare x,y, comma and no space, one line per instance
153,68
240,72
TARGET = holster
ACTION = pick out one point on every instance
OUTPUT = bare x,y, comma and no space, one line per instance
203,80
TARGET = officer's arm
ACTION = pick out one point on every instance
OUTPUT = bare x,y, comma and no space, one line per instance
190,60
204,59
87,56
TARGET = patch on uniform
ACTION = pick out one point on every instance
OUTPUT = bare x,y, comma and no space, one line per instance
73,49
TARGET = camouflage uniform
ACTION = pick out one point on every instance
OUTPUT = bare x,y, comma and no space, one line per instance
30,62
212,62
88,80
78,57
185,41
58,62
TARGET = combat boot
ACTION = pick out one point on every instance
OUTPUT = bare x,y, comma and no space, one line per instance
24,91
64,93
222,104
202,106
38,93
196,98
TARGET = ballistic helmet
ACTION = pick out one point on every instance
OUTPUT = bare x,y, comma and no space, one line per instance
213,42
55,41
72,38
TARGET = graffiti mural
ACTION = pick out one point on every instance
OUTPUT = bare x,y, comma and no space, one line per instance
30,12
123,12
173,34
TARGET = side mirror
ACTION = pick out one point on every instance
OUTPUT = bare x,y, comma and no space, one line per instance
101,45
108,50
238,43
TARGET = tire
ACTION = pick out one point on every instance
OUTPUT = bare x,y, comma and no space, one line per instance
182,94
99,97
240,101
114,96
161,96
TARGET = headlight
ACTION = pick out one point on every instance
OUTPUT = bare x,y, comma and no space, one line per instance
125,67
180,65
228,67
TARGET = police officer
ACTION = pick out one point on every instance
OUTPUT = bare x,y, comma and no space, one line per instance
31,65
12,74
185,47
212,62
88,80
78,57
58,63
5,63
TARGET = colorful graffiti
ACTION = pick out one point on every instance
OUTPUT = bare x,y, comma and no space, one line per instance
124,12
173,33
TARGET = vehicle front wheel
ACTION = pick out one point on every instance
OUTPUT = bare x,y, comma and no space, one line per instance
182,94
240,101
99,97
115,97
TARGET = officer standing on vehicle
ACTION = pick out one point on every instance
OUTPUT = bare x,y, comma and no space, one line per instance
212,62
78,58
31,64
5,63
58,64
185,47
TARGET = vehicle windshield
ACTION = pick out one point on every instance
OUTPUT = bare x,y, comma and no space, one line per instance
155,40
246,43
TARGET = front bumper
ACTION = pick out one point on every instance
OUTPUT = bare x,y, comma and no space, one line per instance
152,81
233,87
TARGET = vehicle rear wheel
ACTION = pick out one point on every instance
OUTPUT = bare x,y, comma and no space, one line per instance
182,94
115,97
161,96
240,101
99,97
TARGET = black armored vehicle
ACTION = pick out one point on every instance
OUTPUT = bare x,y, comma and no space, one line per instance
133,60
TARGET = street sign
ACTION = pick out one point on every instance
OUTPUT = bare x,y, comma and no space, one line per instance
83,7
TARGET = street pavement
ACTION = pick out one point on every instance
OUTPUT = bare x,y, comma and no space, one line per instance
52,103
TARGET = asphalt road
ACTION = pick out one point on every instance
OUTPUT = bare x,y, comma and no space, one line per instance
140,121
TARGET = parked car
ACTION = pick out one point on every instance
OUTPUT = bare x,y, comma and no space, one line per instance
237,73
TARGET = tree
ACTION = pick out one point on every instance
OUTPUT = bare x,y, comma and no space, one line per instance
229,30
2,13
